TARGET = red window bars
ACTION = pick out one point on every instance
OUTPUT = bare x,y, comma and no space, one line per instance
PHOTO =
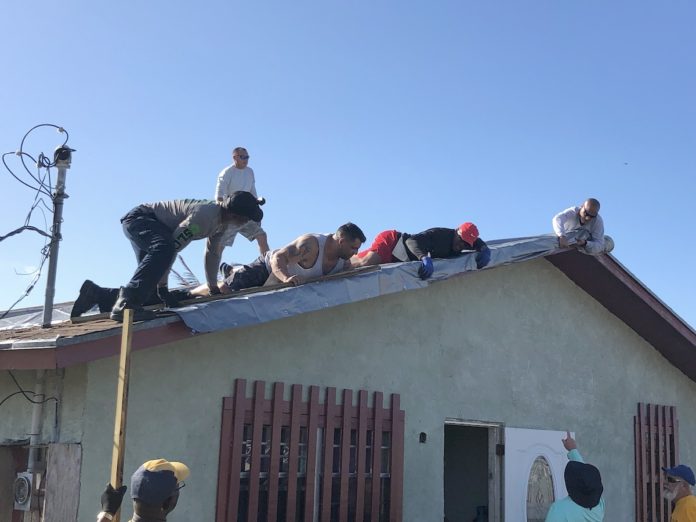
305,460
657,446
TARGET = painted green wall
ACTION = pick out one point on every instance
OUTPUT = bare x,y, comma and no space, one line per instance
520,345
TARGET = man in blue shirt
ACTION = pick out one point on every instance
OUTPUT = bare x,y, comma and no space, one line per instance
584,502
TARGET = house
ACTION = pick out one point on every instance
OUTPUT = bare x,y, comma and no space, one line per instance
456,391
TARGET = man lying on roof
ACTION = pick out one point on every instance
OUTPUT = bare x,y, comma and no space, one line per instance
308,257
392,246
157,232
583,224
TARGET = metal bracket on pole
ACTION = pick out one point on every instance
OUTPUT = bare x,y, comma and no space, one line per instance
62,158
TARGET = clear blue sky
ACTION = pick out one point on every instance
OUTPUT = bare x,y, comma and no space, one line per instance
390,114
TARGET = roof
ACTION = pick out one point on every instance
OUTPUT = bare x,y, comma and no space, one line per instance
603,277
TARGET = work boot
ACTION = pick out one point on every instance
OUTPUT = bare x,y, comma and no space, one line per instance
86,300
127,299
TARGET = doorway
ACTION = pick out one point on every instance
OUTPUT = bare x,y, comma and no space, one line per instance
471,472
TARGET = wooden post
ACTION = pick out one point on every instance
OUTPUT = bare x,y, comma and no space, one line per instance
121,404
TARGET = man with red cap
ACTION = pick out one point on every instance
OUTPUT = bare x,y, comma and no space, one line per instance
392,246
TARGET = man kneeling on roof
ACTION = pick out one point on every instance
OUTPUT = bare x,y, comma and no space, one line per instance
157,232
583,228
392,246
308,257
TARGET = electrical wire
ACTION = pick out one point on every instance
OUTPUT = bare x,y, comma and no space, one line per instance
42,186
25,393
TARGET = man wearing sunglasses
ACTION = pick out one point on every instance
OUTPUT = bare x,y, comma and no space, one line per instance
584,224
240,177
677,489
154,489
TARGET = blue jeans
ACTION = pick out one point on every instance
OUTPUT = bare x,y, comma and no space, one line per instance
153,244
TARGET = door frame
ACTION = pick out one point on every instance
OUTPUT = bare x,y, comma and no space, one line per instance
495,462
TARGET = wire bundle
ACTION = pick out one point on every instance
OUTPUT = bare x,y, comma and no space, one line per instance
42,186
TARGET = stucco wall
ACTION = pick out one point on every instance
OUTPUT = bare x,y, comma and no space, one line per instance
520,345
16,412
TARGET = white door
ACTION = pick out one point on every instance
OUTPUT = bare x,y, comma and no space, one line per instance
538,454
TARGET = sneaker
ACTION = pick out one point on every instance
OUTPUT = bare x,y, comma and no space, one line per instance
225,270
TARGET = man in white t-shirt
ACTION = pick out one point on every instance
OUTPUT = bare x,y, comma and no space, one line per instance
240,177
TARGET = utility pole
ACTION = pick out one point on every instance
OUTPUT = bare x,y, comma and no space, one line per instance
62,158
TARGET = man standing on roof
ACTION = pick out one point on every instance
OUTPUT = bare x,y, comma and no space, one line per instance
680,479
158,231
584,502
154,489
308,257
392,246
583,223
234,178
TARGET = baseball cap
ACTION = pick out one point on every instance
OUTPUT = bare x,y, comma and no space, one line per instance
683,472
156,480
468,232
245,204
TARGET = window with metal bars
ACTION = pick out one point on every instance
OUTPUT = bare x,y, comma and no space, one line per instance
310,461
656,431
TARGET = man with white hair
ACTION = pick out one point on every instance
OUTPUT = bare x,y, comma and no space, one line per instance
680,479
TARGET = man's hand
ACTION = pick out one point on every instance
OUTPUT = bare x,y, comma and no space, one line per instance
483,258
563,241
213,289
111,499
581,242
295,280
569,442
426,269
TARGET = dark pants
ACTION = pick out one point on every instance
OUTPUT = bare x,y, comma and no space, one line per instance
154,249
253,274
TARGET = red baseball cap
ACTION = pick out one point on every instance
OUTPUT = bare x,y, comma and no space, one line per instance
468,232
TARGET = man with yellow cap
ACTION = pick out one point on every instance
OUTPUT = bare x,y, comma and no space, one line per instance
154,489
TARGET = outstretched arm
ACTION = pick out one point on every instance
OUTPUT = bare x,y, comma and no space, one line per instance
559,221
572,448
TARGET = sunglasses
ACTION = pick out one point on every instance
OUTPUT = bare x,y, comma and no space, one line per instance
242,157
588,214
673,480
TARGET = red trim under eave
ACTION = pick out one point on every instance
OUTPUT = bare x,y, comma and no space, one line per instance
83,352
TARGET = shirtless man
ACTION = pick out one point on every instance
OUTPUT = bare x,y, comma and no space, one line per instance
308,257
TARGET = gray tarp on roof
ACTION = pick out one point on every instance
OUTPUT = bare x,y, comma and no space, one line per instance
396,277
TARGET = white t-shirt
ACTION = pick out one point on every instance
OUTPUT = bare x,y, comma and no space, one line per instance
232,179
